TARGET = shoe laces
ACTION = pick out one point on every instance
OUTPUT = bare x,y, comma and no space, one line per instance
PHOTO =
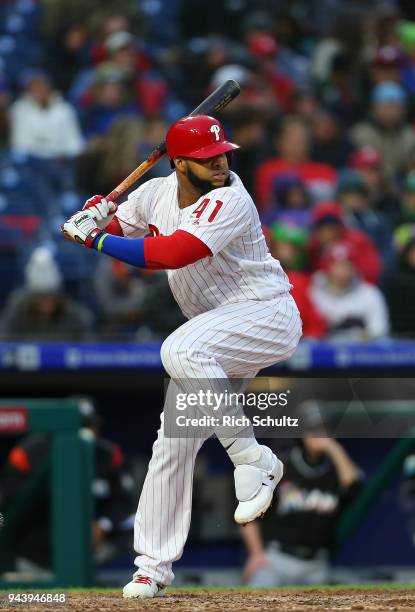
143,579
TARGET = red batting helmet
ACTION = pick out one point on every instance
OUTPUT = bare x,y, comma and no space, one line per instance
198,137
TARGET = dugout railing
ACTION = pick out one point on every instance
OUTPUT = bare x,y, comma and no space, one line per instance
71,468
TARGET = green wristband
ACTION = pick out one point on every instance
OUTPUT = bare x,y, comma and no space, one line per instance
100,242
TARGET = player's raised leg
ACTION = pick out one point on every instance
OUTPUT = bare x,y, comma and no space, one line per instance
237,340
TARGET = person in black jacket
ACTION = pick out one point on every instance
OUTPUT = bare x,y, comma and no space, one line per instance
294,545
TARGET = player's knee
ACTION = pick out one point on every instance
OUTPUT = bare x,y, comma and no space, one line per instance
294,340
172,358
290,350
168,356
178,359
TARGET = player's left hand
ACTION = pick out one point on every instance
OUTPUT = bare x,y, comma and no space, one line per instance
82,228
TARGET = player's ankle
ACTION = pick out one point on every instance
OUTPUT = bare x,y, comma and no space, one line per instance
265,461
245,451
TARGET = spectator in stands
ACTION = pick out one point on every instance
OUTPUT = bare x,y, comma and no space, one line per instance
329,228
42,123
360,212
250,132
134,304
386,65
264,48
68,53
385,19
293,146
305,104
195,20
399,283
288,245
109,158
113,492
340,92
40,310
257,91
330,142
122,53
406,33
109,101
150,89
4,111
291,33
407,204
387,130
160,315
291,200
94,13
293,544
113,23
195,63
255,22
155,129
120,291
353,309
367,162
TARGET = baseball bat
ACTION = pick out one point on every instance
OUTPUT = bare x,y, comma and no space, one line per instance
215,102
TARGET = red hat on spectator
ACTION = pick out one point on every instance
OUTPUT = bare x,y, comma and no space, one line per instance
263,45
327,212
339,251
365,158
387,56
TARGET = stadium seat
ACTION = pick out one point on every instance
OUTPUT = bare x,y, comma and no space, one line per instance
77,266
11,259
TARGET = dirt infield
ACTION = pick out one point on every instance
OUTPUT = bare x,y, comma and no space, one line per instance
233,600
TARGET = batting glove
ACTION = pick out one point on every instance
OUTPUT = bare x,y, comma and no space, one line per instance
102,210
82,228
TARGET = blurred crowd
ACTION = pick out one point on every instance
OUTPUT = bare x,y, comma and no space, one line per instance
326,124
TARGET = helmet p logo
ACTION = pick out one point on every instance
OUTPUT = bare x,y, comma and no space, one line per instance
215,129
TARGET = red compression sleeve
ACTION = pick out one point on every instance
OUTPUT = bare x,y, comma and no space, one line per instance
114,228
175,251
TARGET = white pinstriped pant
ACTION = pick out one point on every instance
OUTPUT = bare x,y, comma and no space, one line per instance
232,341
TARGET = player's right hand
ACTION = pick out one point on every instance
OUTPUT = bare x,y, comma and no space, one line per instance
102,210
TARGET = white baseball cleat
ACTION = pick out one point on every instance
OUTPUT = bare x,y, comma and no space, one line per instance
142,587
255,486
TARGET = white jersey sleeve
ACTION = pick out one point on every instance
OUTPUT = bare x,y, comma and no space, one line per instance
133,213
218,217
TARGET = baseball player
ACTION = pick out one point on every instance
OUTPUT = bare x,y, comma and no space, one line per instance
205,231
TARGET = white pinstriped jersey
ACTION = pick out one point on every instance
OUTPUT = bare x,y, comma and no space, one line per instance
226,220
